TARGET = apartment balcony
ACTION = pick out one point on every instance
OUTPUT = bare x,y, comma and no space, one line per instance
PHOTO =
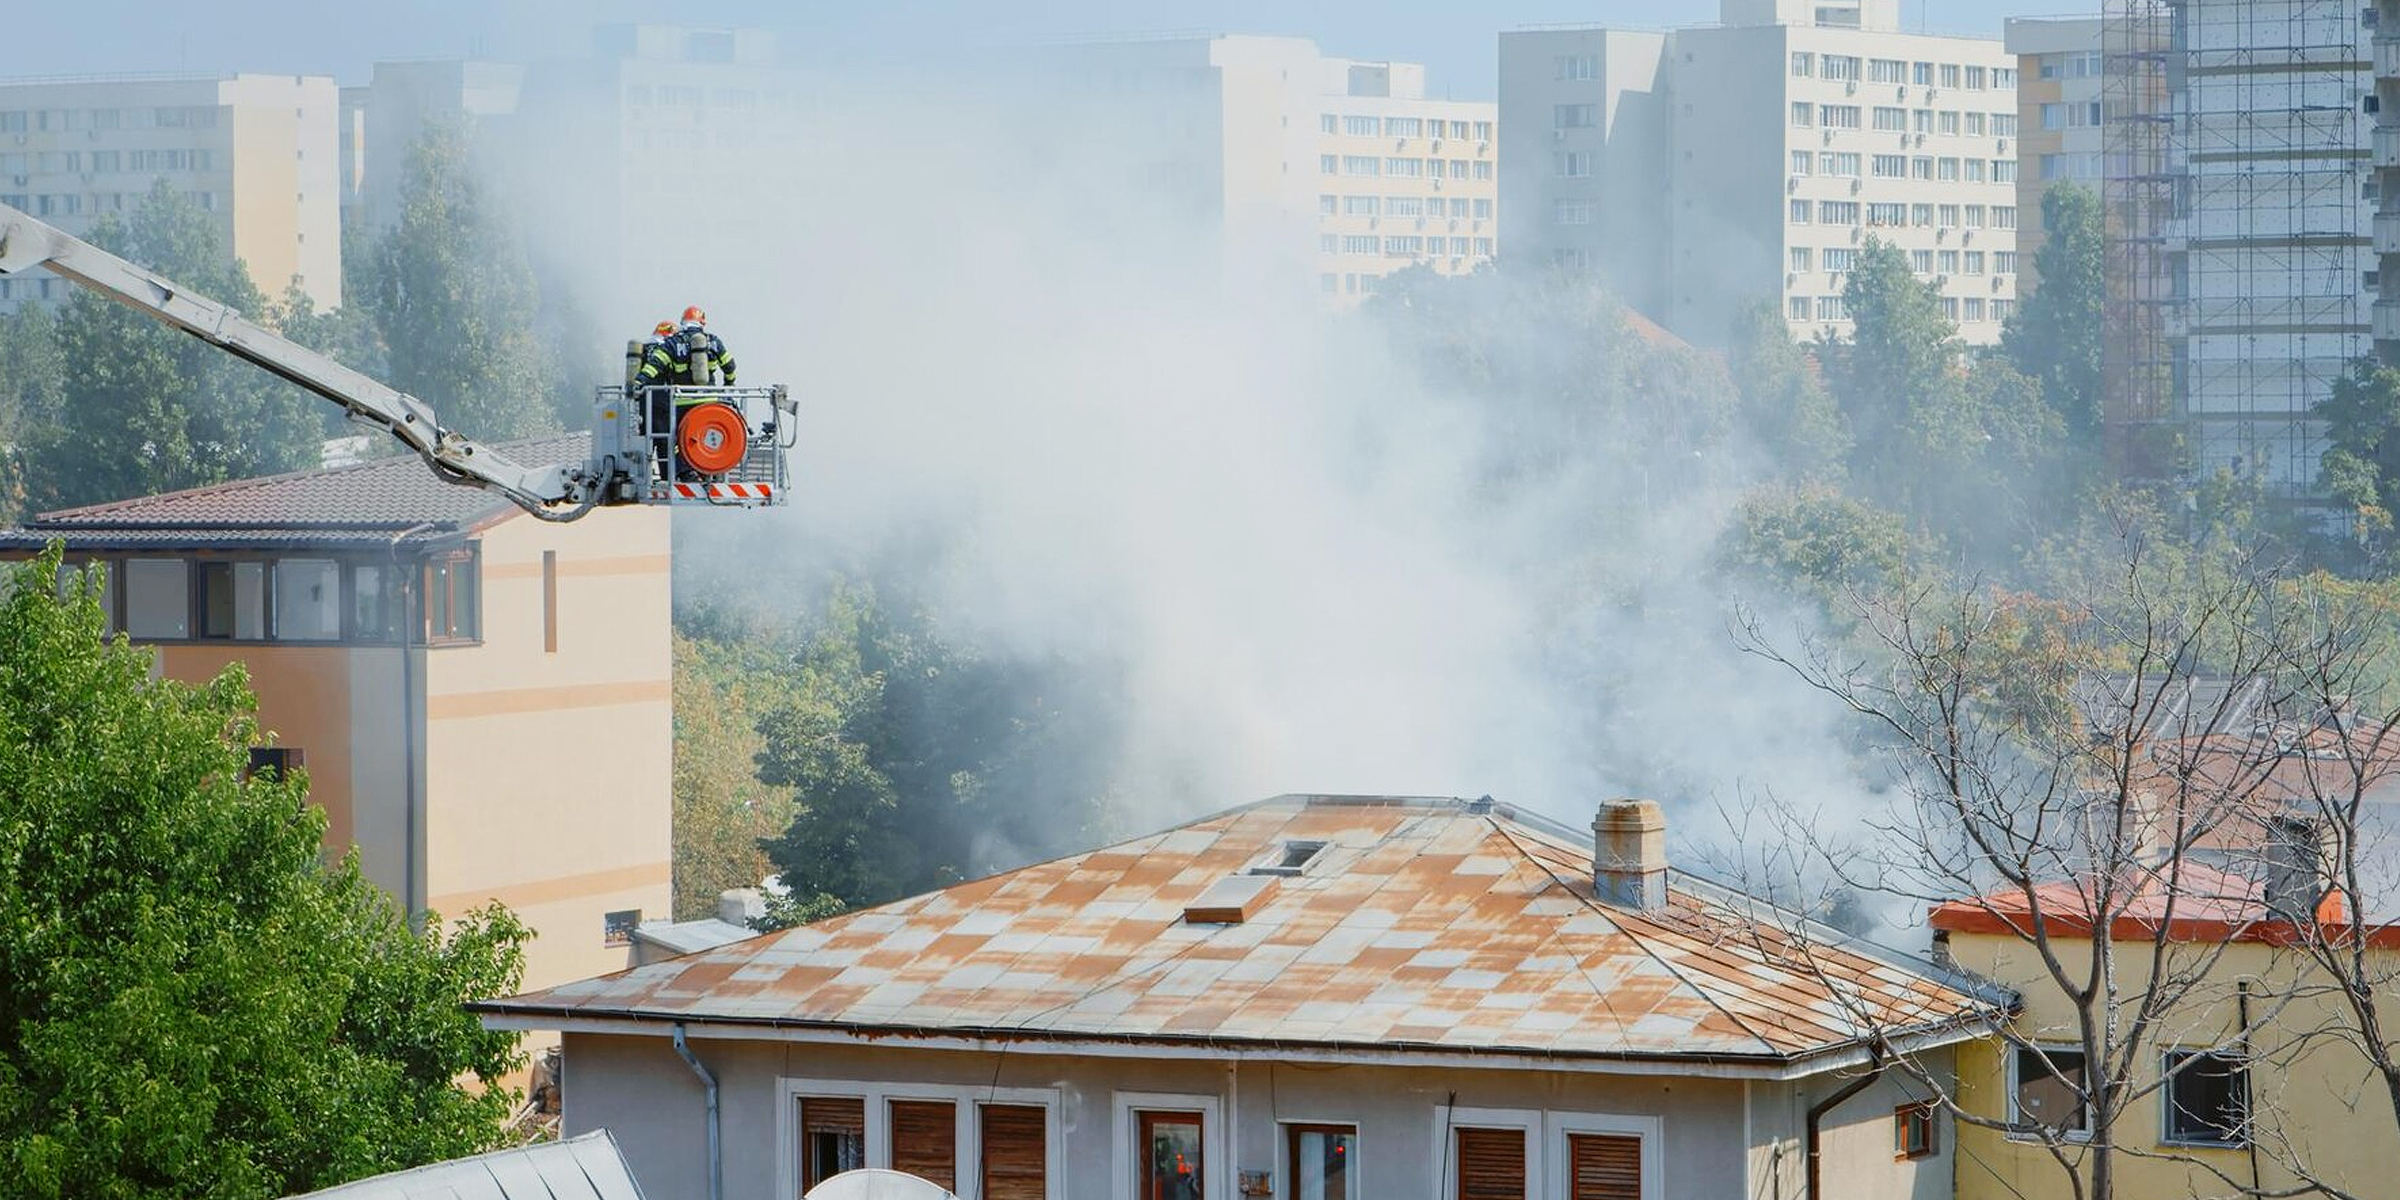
2387,233
2387,145
2386,321
2387,52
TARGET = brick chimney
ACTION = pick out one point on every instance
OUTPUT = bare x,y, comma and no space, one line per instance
1629,855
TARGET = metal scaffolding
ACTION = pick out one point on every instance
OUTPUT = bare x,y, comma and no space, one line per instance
2236,181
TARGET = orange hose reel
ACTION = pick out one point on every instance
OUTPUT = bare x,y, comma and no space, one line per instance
711,438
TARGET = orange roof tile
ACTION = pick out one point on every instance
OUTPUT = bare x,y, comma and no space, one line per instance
1427,924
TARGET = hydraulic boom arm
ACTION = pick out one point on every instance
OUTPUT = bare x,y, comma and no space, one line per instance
26,243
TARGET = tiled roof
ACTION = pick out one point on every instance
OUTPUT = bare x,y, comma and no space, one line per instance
366,503
2198,902
1426,924
589,1167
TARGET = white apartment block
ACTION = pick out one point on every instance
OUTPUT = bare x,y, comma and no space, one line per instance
1779,142
258,151
2060,81
1303,170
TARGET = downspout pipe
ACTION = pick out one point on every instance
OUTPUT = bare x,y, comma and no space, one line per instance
1816,1118
716,1158
412,901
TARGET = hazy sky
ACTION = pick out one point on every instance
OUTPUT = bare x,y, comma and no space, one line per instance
1454,38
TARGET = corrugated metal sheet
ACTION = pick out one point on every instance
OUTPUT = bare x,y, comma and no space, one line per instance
361,504
1425,923
582,1168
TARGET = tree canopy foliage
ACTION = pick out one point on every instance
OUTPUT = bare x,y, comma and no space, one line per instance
192,1003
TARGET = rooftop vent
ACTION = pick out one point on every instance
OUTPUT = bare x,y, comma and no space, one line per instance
1291,858
1629,855
1231,900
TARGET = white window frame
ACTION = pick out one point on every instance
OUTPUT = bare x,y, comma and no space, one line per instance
877,1097
1215,1163
1289,1171
1651,1130
2014,1083
1448,1119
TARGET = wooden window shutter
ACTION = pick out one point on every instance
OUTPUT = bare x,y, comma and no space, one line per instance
1016,1152
1491,1164
925,1140
1604,1167
833,1137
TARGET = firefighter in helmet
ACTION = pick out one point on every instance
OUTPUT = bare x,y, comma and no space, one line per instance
673,361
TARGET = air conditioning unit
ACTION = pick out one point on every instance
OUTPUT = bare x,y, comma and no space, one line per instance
1856,186
1850,88
1559,135
2003,145
1437,183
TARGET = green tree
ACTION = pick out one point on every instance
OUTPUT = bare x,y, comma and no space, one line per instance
916,762
1783,401
32,371
346,334
455,301
143,409
2055,335
2362,461
1900,361
192,1004
722,810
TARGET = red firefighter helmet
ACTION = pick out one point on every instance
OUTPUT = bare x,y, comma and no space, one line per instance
695,317
664,328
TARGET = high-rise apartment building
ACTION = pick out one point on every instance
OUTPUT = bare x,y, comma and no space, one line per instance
258,151
1297,168
383,119
2237,160
2385,40
2059,85
1714,167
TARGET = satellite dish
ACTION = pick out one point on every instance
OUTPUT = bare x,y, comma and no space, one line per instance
876,1184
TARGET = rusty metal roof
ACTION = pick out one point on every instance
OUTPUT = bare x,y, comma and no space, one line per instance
1434,925
365,504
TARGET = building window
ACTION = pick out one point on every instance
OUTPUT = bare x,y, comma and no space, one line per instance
1800,212
1577,66
1974,169
1328,123
1974,79
1890,120
308,600
1403,127
1949,75
1886,70
1803,163
1887,214
2004,78
1604,1166
450,601
1949,216
1361,243
1840,67
1949,261
158,598
1796,308
1804,114
1571,212
1361,206
1491,1164
1574,116
1327,164
1975,216
1950,307
1167,1155
1920,120
1839,259
1483,169
233,600
1572,164
1357,126
1920,167
1837,212
925,1140
1840,165
1804,64
833,1137
1974,308
1837,116
1921,261
1949,124
2004,216
1912,1131
1803,260
1361,164
2002,310
1974,263
1483,131
2208,1098
1483,209
275,762
1483,247
2004,170
2004,262
2004,124
1832,308
1921,74
1975,124
1319,1159
373,613
1405,168
1889,166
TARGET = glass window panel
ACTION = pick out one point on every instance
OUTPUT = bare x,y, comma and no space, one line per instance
1169,1160
1320,1161
308,600
158,598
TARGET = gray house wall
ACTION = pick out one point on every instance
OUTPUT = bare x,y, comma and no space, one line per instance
1708,1138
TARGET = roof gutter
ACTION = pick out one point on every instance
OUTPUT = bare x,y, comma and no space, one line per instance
716,1155
1855,1052
1816,1117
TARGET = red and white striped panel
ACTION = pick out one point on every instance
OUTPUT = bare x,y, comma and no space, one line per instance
725,491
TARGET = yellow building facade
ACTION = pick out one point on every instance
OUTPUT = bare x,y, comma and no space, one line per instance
2310,1100
480,700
